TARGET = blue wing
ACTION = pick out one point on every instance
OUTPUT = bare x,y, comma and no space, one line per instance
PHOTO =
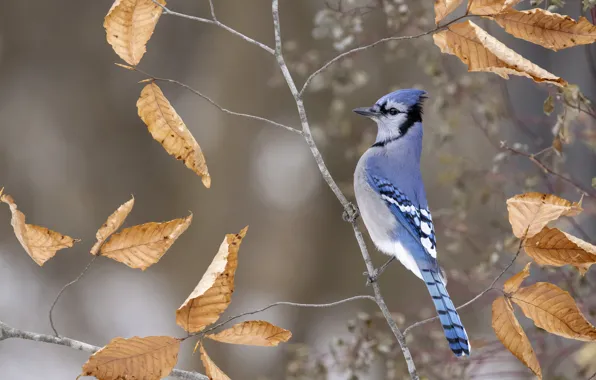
417,221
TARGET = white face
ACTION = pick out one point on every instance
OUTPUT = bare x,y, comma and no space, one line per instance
391,115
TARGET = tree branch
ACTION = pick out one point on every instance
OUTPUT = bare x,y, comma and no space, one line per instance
284,303
214,21
7,332
491,287
216,105
348,207
546,169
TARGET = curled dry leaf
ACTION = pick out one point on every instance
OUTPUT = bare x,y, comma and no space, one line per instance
490,7
148,358
533,211
513,337
169,130
112,224
554,310
141,246
445,7
554,247
551,30
482,52
211,368
214,292
39,242
129,25
513,284
253,333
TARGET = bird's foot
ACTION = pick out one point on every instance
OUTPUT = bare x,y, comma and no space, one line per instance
351,213
370,278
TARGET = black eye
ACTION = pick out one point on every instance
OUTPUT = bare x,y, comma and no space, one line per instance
393,111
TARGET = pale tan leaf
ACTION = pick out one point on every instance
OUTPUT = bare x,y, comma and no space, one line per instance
533,211
554,247
482,52
445,7
513,284
490,7
129,25
511,334
39,242
125,66
211,368
213,294
141,246
136,358
554,310
551,30
253,333
513,337
112,224
169,130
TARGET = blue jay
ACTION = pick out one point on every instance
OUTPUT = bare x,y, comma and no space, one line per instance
391,198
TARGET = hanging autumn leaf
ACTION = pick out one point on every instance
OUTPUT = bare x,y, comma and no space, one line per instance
533,211
129,25
445,7
554,247
148,358
112,224
141,246
213,294
39,242
211,368
554,310
551,30
253,333
169,130
513,284
513,337
482,52
490,7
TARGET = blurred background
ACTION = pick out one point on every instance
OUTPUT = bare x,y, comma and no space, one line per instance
72,149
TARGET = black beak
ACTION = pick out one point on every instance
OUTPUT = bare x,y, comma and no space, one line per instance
365,111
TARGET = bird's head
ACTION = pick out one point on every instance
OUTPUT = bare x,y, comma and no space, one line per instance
396,113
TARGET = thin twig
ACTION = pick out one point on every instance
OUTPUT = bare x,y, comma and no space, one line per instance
378,42
214,21
212,102
7,332
62,291
284,303
491,287
546,169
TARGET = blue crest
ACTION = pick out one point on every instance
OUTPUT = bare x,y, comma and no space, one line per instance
410,97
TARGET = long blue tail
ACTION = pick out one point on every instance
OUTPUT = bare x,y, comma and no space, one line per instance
454,330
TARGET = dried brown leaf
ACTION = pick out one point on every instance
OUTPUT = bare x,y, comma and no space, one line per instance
533,211
554,310
141,246
169,130
554,247
213,294
129,25
112,224
148,358
513,337
445,7
211,368
513,283
253,333
551,30
490,7
482,52
39,242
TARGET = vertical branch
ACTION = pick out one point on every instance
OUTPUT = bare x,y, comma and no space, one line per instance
348,207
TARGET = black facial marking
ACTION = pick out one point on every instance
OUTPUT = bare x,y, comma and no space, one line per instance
414,115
